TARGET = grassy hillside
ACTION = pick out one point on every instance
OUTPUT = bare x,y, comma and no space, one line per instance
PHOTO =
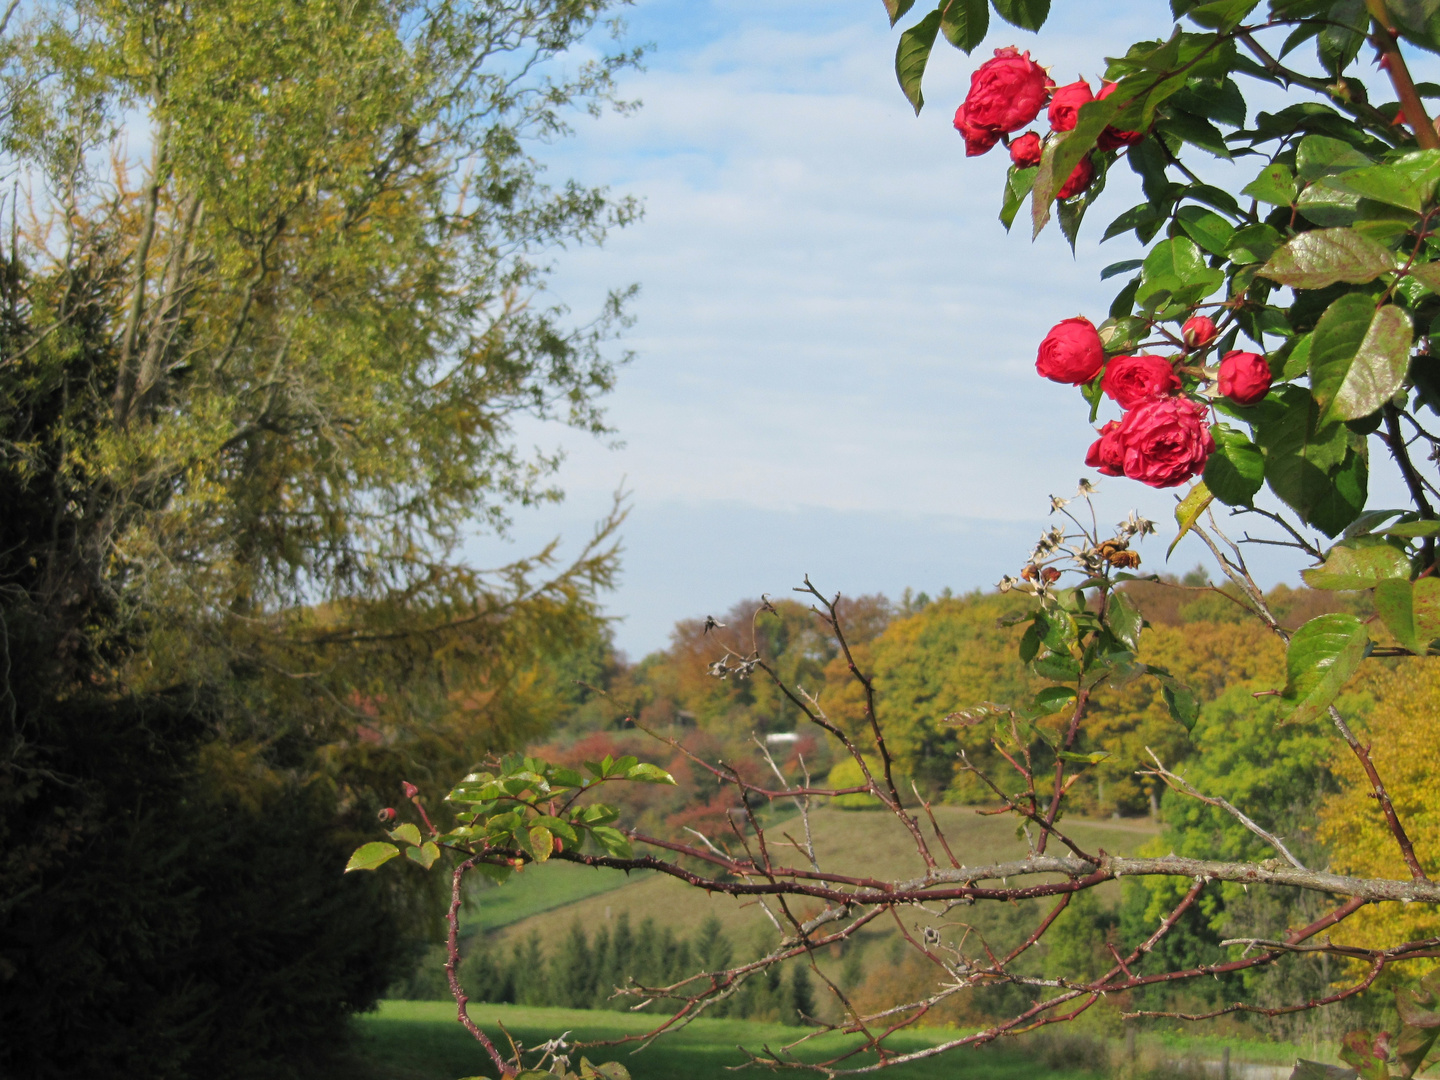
540,888
414,1040
861,842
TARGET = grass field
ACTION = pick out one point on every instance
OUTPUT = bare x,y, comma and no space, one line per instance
539,889
862,842
413,1040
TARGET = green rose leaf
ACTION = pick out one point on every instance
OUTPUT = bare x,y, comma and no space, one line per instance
896,9
1319,156
1207,228
1275,185
1124,620
406,833
1322,257
1361,563
1063,152
1311,466
1026,14
1057,668
425,854
612,840
1409,182
1358,357
1236,469
649,774
1180,700
371,855
1323,655
542,843
911,56
1054,698
1252,244
964,23
1395,604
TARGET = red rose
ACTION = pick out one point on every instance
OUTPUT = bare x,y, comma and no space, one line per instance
1025,151
1113,138
1198,331
1071,353
1078,180
978,140
1065,105
1129,380
1106,454
1244,377
1164,442
1006,93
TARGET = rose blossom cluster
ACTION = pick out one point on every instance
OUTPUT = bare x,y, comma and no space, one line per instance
1007,94
1162,438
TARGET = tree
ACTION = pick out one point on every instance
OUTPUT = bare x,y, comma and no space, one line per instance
274,298
1340,213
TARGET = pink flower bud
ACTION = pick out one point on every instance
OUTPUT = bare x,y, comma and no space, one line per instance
410,789
1244,377
1198,331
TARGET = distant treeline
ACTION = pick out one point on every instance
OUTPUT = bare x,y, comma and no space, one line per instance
581,971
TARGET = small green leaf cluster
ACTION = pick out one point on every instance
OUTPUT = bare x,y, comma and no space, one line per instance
523,810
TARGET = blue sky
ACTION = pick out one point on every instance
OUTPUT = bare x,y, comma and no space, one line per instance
835,337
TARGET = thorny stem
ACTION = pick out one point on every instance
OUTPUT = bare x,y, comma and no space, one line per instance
1387,43
452,971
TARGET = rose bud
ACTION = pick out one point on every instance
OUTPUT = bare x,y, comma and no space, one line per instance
1244,377
1106,454
1079,179
1071,353
1065,105
1165,442
1006,93
1025,151
1198,331
558,846
1129,380
978,140
410,789
1113,138
387,815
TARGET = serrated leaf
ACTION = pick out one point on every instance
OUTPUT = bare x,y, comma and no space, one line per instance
406,833
1394,603
1319,156
1236,470
1359,357
649,774
1322,257
612,840
1180,700
542,843
1275,185
1412,529
1206,228
1322,657
1056,668
911,56
965,22
425,854
1124,619
1361,563
557,827
369,856
1026,14
896,9
1409,182
1252,244
1063,152
1054,698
